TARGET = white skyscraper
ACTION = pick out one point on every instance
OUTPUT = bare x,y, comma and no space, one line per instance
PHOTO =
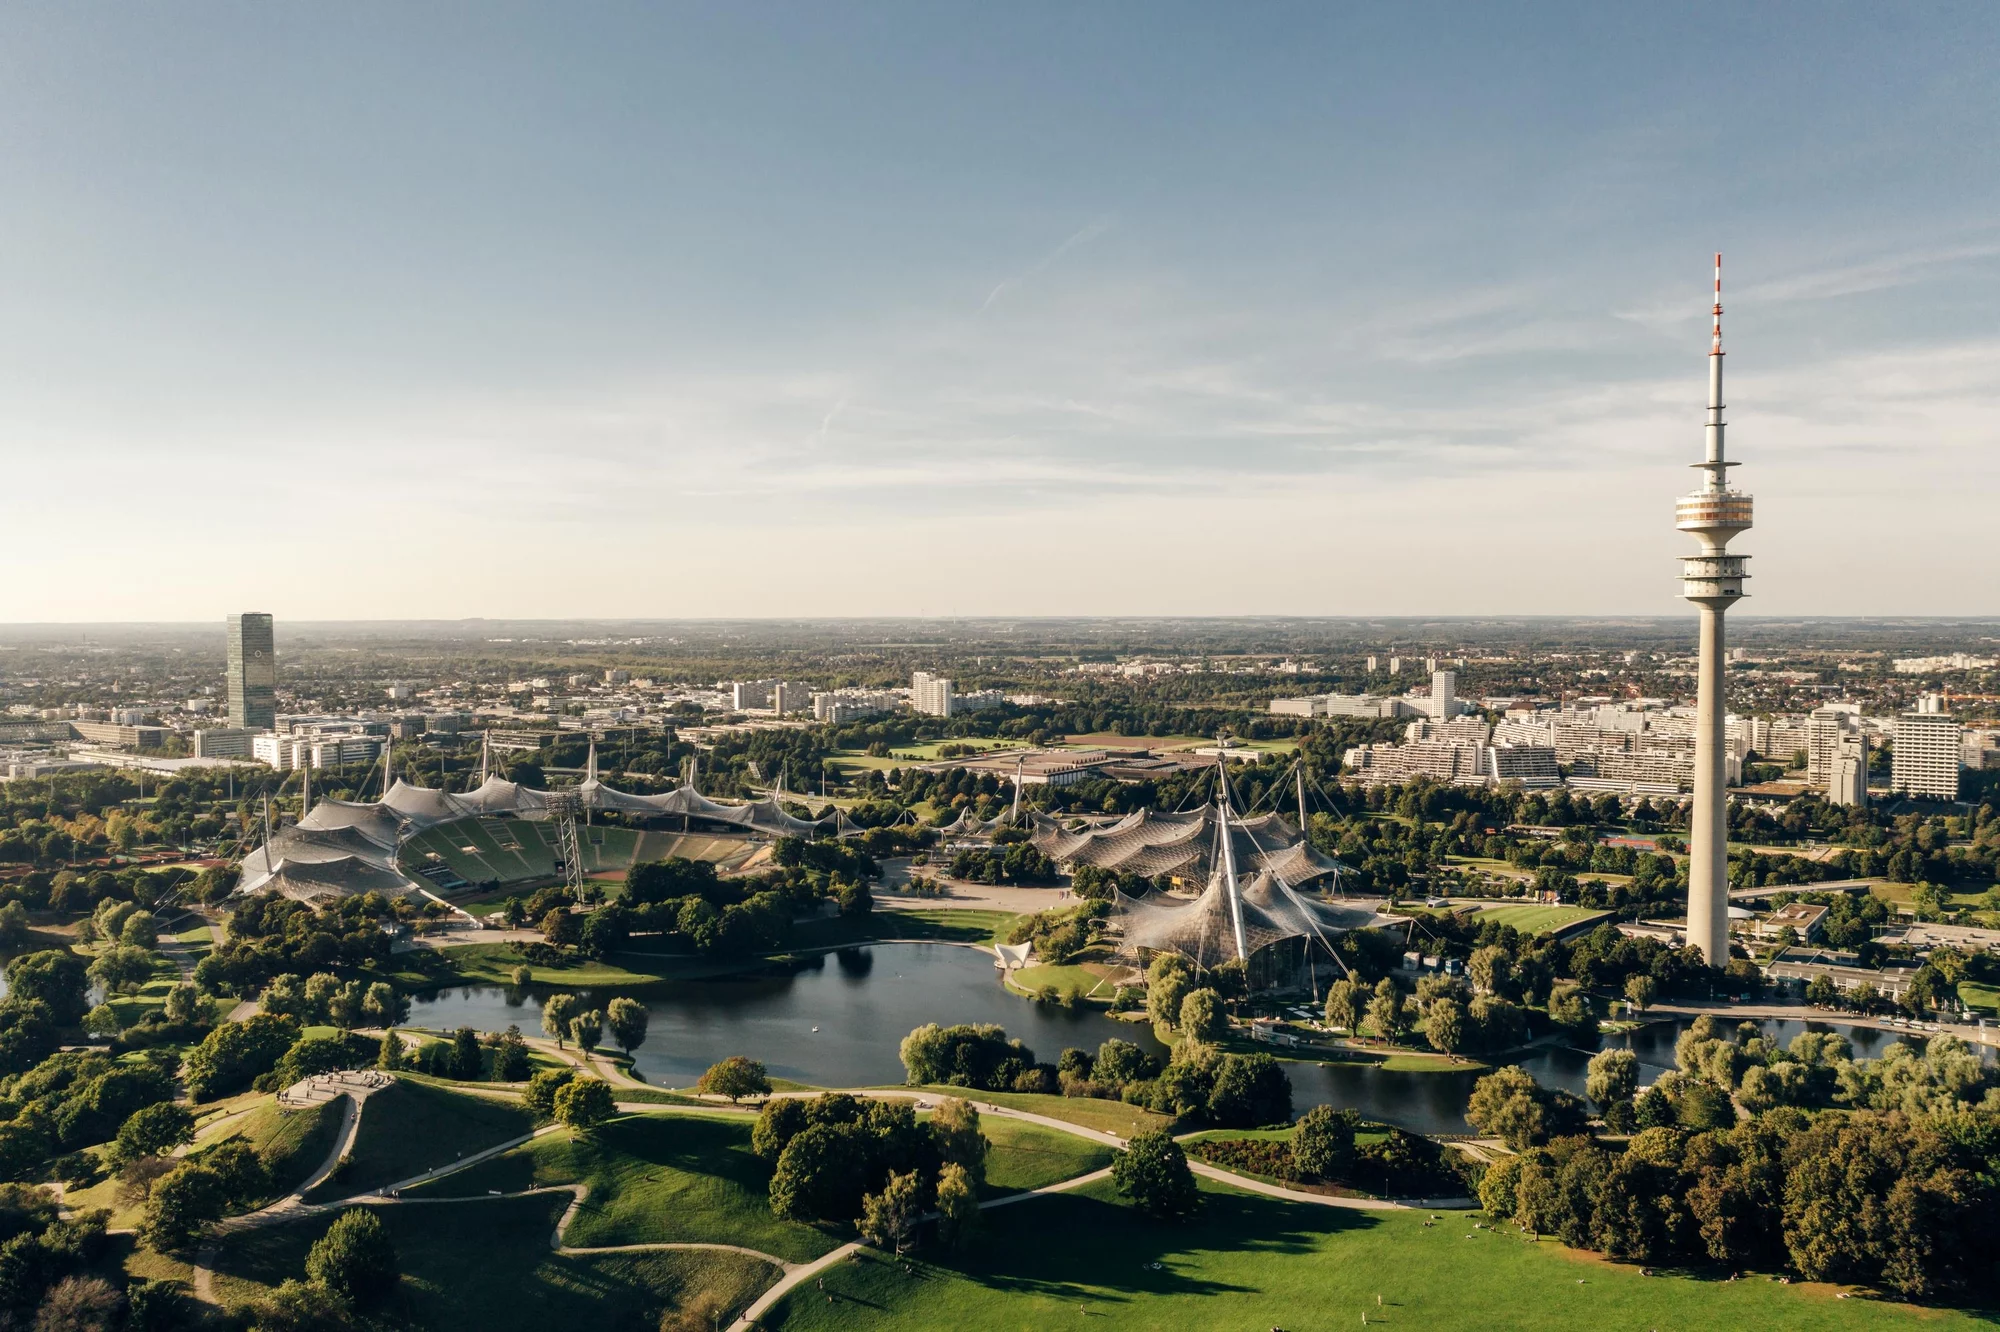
1929,745
1444,695
931,694
1713,581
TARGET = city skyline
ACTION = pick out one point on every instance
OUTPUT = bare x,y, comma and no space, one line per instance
989,314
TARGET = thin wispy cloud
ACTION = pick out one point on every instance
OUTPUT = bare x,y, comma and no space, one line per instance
1083,236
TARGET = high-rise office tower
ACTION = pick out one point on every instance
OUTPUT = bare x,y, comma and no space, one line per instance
1713,581
253,672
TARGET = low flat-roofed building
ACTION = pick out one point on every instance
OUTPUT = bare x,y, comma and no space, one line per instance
1797,968
1803,919
1924,936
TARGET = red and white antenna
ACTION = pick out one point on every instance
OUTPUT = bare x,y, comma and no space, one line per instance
1715,348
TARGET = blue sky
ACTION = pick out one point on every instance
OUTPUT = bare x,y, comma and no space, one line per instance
383,310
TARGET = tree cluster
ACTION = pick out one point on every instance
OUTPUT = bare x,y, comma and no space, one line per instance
838,1158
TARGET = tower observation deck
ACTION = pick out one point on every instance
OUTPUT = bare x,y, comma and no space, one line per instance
1713,581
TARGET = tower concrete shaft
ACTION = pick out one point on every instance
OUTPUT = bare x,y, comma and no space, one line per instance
1713,581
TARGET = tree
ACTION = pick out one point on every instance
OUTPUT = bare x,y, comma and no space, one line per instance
355,1259
1250,1090
821,1173
1201,1016
389,1055
1387,1013
1490,969
184,1004
1323,1143
155,1130
735,1077
560,928
1168,981
1570,1009
382,1006
955,1129
81,1304
141,930
102,1021
235,1052
587,1029
1821,992
1640,990
1613,1076
13,925
1510,1105
584,1103
1444,1026
122,970
888,1217
468,1064
348,1006
558,1012
628,1019
606,930
1344,1003
183,1203
540,1094
957,1205
56,979
1153,1173
510,1057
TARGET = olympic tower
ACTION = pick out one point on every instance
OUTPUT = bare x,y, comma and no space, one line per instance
1713,581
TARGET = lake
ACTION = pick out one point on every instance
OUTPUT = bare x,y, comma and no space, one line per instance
835,1021
838,1019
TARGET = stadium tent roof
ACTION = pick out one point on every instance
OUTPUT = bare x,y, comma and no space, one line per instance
425,806
308,862
1148,844
498,796
1202,931
343,847
377,823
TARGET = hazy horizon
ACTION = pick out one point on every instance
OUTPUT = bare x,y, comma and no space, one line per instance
392,314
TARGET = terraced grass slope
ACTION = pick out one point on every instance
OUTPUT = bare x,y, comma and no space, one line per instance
410,1127
653,1179
488,1265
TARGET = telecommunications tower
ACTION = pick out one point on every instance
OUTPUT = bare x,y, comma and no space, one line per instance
1713,581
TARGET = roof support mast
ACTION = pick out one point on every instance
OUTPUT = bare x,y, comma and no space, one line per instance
1225,846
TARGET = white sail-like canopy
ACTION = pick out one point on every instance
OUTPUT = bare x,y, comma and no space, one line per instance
342,847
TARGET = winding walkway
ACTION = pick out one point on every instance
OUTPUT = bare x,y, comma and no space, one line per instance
294,1207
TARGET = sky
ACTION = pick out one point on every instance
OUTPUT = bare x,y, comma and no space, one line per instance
380,311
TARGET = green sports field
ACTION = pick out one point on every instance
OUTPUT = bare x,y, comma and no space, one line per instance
1532,918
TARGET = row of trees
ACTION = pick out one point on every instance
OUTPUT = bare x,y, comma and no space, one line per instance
1753,1154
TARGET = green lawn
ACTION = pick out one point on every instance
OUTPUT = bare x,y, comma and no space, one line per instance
1069,979
1532,918
653,1179
1029,1156
291,1143
945,924
1087,1111
410,1127
1975,995
1082,1259
488,1265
